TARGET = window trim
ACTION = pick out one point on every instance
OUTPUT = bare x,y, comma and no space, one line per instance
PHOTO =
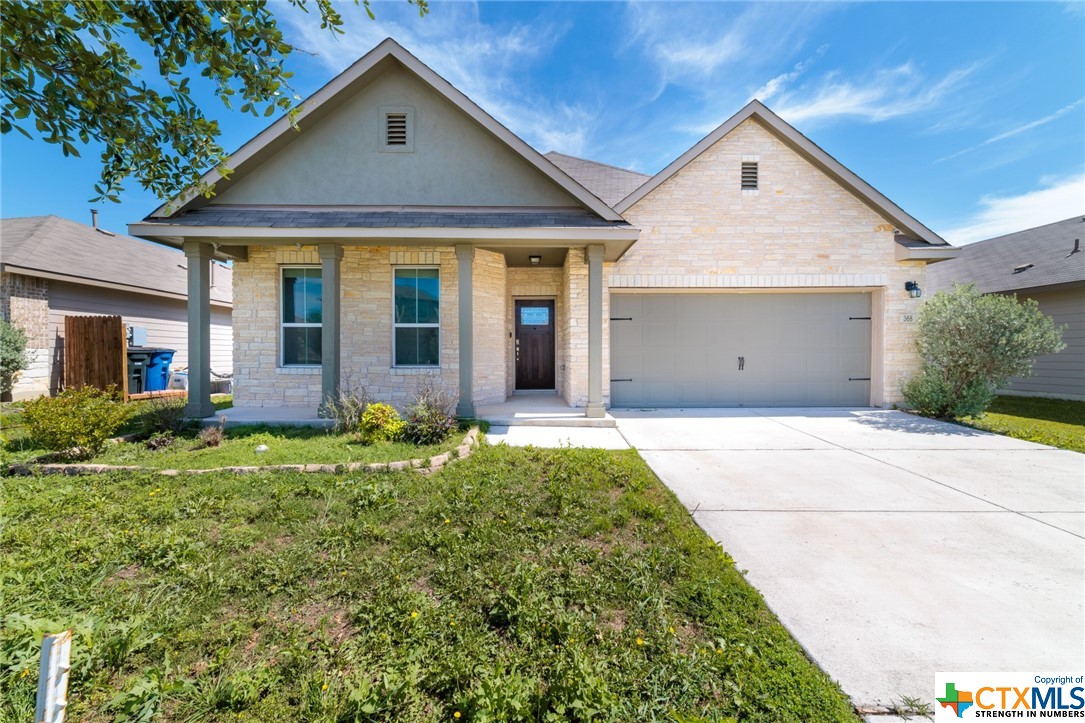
283,325
428,325
382,127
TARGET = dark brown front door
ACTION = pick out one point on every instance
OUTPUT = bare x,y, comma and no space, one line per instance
534,344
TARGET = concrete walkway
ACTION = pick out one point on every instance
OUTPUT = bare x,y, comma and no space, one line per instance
890,545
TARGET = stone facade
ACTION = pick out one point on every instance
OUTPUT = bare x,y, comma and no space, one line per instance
799,230
575,297
488,302
366,324
24,302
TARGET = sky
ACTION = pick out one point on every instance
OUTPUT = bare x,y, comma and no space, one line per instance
970,116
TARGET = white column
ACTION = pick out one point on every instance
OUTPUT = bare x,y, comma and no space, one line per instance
465,257
595,332
199,329
330,256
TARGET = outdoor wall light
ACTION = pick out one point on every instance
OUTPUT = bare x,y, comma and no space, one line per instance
535,260
913,289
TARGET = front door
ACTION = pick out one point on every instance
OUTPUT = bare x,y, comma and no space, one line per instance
534,344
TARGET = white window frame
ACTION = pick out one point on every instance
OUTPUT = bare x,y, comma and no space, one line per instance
283,325
398,325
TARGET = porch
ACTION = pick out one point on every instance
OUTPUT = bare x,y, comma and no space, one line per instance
530,410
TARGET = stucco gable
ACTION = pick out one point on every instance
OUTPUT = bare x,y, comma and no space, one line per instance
338,160
484,164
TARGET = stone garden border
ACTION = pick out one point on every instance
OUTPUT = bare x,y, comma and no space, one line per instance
436,462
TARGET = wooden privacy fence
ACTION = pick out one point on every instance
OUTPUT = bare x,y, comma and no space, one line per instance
95,352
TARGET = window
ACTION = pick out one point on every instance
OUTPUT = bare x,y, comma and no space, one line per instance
417,318
301,315
396,129
749,175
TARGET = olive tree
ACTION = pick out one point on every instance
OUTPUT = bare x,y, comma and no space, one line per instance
69,76
970,344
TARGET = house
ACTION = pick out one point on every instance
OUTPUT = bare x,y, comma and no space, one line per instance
51,268
1046,263
404,232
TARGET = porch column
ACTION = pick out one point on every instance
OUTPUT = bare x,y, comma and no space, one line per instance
330,256
465,256
199,328
595,332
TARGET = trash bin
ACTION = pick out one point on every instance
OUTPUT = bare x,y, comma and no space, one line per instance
158,370
138,359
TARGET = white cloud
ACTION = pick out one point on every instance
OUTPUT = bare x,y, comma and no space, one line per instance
1017,130
1055,200
1036,123
885,94
776,85
486,63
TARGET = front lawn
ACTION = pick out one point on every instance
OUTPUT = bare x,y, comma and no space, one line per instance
1056,422
520,584
286,445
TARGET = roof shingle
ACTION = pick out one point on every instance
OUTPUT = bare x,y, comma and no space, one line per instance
990,264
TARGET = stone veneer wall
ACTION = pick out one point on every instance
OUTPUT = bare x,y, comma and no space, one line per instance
536,283
488,302
799,230
24,301
575,298
366,326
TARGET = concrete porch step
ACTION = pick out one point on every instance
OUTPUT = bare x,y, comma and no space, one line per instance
549,421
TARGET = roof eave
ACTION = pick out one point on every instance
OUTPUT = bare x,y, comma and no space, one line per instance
931,253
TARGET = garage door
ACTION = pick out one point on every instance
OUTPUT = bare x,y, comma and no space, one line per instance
707,350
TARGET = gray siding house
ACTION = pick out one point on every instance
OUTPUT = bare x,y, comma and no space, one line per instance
1046,263
51,268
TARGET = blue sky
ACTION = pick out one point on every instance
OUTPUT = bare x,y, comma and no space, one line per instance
968,115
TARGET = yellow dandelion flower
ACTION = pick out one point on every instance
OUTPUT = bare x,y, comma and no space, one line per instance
640,641
457,714
452,624
414,614
671,629
719,651
343,574
448,521
324,687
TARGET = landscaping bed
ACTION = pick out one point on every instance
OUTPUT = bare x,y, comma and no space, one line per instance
1055,422
520,584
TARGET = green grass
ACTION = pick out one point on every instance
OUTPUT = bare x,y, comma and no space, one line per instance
286,445
1056,422
521,584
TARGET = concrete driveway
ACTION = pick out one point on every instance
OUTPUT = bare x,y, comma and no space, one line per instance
890,545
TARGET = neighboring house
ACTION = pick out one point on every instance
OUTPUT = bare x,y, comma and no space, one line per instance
51,267
1046,263
405,232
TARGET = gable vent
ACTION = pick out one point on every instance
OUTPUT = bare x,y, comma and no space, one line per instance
749,176
395,129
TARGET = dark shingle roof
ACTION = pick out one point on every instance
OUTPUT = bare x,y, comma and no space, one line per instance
990,264
56,245
609,183
280,218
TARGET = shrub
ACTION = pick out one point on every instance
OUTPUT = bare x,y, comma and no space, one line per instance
970,345
381,423
83,418
431,416
346,409
165,415
212,436
13,355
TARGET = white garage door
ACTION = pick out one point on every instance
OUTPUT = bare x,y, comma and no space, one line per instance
753,349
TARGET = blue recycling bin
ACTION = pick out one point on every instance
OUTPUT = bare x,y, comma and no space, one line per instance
158,370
